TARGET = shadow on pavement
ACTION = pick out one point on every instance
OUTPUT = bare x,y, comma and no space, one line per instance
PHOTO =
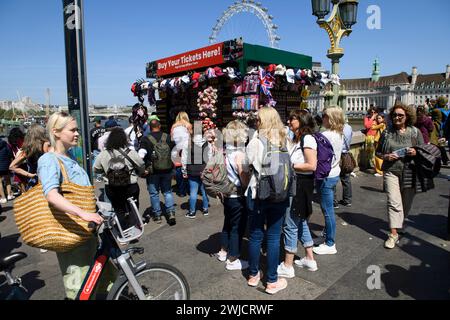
375,226
9,243
425,281
430,279
372,189
211,245
431,224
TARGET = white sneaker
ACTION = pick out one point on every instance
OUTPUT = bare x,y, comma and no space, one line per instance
378,175
237,264
310,265
3,200
324,249
11,198
43,250
285,272
391,241
221,256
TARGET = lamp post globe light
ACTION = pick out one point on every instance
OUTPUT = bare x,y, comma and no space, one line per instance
339,24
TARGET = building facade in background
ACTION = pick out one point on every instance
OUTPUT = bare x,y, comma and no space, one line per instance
382,92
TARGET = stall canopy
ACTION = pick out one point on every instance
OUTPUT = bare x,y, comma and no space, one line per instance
181,81
228,52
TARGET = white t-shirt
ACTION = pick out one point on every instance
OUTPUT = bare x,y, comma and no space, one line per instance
337,141
131,136
297,155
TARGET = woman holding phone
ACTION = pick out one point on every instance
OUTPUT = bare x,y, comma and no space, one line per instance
396,149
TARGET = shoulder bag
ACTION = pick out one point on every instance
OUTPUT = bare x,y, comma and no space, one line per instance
45,227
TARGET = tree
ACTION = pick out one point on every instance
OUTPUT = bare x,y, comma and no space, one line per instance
8,114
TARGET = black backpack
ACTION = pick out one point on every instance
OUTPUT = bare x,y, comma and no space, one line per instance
118,173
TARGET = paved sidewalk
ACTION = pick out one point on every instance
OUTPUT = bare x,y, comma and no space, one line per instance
417,269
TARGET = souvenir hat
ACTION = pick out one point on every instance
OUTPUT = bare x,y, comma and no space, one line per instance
280,70
290,76
218,71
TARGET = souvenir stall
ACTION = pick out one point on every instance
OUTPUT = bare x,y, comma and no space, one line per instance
227,81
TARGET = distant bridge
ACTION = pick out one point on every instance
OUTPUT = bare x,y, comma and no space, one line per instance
106,115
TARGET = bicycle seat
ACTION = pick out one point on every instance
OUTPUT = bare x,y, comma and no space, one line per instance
10,260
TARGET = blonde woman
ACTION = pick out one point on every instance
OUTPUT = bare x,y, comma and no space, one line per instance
234,209
180,133
62,130
35,144
263,212
333,121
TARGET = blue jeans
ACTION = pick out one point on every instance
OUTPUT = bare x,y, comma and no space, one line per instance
182,183
295,228
325,188
270,214
163,182
234,225
95,154
194,184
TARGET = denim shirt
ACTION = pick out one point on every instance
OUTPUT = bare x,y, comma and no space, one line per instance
49,172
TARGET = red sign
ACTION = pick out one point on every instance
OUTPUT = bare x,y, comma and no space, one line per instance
204,57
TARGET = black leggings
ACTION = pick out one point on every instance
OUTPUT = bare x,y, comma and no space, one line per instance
119,195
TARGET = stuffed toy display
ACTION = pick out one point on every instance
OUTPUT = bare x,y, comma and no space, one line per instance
206,103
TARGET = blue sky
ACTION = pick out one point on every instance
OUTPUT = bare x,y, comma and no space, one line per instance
121,36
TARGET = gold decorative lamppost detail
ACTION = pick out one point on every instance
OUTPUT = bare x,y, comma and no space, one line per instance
338,25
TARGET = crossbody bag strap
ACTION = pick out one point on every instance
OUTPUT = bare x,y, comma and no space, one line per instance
347,146
135,166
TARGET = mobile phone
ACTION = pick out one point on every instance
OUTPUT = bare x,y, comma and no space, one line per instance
401,153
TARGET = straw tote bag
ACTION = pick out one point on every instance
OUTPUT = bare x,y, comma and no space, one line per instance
43,226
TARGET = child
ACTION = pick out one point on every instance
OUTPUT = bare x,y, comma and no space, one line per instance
379,127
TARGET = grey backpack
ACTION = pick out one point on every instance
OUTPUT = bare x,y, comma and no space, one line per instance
276,179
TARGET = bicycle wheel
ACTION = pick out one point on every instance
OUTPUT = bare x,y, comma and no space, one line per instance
159,281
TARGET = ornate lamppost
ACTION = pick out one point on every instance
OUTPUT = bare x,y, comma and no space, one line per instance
338,25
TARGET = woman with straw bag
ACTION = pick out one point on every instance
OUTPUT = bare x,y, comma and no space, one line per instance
54,168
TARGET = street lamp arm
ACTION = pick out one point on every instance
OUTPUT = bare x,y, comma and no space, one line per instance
335,30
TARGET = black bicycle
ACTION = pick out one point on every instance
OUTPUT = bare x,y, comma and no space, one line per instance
12,288
137,280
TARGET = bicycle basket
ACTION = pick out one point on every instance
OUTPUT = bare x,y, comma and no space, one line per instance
122,235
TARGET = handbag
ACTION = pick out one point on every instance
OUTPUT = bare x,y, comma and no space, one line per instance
45,227
348,163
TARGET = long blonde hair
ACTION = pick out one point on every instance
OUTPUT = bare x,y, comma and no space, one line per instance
235,133
336,119
271,127
182,116
58,121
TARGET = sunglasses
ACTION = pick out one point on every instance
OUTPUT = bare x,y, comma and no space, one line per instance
398,115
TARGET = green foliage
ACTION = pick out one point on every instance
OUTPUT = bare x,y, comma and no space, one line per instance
8,114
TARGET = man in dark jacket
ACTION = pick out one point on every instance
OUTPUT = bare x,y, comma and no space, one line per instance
95,134
155,149
6,156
